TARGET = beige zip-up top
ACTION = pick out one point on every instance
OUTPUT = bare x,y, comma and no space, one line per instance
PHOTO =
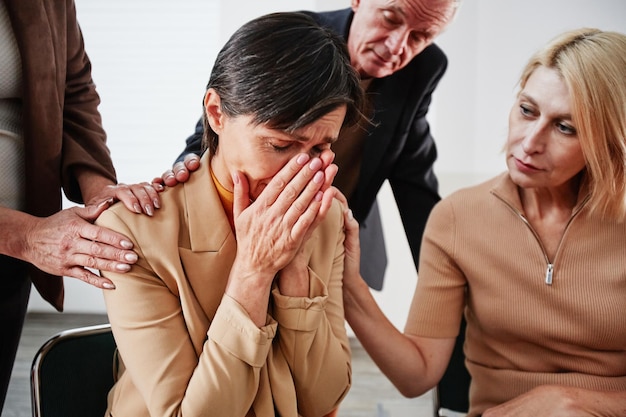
531,320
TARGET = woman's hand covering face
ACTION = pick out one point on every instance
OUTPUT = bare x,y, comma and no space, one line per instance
273,228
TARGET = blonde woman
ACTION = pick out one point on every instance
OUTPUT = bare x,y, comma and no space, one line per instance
534,258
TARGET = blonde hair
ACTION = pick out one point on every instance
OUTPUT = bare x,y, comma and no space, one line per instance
592,64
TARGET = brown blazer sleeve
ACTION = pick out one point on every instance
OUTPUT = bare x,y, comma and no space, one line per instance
84,139
62,126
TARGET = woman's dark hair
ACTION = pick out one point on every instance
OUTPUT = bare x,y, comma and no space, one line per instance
285,71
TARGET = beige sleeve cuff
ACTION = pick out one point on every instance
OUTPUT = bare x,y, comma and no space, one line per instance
302,313
232,329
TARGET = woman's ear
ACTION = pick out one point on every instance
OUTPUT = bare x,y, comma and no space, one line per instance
213,110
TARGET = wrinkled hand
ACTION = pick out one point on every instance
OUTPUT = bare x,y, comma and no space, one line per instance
67,243
180,172
293,279
352,246
547,400
138,198
272,230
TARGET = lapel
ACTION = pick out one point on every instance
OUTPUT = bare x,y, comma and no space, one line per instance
388,101
389,97
212,245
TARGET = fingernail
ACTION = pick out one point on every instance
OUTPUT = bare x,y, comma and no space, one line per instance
108,286
302,159
318,196
156,203
350,215
137,208
106,202
131,257
315,164
149,211
122,267
318,177
157,186
235,178
126,244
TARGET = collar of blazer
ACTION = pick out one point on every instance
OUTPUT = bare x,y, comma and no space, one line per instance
207,223
207,259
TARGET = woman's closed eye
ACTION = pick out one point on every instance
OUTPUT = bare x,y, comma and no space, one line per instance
280,145
279,148
283,146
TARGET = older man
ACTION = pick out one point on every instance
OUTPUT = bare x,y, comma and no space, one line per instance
391,46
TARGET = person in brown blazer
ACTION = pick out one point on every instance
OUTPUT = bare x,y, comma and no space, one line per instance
235,307
51,138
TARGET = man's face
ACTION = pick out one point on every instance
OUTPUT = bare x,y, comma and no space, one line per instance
386,35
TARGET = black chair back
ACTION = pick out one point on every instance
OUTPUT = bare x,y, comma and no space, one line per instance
452,392
73,372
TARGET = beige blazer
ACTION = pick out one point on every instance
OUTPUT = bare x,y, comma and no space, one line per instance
190,350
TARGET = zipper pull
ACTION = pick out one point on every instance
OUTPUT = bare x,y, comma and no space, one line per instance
549,274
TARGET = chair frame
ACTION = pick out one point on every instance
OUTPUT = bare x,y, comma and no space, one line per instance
35,373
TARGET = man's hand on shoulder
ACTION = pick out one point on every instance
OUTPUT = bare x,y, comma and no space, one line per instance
180,172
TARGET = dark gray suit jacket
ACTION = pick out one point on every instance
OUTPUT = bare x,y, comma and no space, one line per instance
399,148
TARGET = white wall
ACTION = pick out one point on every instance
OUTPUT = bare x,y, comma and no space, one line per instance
148,118
487,47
